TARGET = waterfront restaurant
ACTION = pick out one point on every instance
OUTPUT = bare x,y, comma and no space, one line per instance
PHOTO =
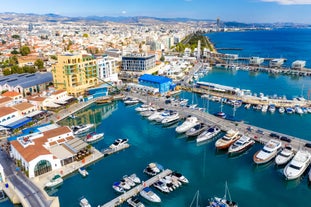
45,149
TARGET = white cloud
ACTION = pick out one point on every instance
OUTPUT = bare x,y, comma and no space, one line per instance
289,2
123,12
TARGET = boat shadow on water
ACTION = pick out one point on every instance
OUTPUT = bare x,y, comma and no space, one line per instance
261,167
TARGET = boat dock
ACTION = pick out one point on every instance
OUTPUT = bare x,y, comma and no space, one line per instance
258,134
122,198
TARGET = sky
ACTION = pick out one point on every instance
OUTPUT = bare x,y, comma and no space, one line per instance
248,11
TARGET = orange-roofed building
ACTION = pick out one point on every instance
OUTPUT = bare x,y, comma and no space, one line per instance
35,150
7,113
24,108
13,94
5,101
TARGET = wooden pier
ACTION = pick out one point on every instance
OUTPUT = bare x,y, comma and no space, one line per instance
134,191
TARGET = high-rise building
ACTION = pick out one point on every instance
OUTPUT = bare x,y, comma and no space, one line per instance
75,73
138,63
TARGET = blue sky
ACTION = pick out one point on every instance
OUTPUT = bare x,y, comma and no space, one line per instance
228,10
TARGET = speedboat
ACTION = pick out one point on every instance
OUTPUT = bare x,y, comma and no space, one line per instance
297,166
268,152
285,155
79,129
57,180
289,110
94,137
135,202
128,181
241,145
84,203
229,138
148,194
124,185
164,115
221,114
196,130
153,169
171,119
180,177
117,187
190,122
148,112
281,110
143,107
272,108
161,186
134,178
83,171
264,108
117,143
208,134
131,101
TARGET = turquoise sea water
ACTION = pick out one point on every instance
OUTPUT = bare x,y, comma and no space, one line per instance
206,169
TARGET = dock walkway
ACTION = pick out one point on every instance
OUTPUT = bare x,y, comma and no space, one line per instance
260,135
122,198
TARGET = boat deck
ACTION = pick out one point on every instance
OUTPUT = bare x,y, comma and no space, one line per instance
134,191
109,151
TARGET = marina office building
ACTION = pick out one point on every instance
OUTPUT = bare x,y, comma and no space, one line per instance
75,73
138,63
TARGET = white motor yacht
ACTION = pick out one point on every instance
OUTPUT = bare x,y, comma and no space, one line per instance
117,187
135,202
156,114
241,145
161,186
284,156
79,129
57,180
83,171
117,143
268,152
134,178
190,122
208,134
94,137
171,119
148,194
197,129
180,177
296,167
84,203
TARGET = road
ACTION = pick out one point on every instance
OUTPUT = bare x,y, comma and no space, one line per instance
32,194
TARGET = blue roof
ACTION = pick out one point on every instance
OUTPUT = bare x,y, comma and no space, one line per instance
26,79
154,78
19,123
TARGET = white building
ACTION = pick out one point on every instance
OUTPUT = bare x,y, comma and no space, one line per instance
256,60
46,150
107,68
298,64
187,52
275,63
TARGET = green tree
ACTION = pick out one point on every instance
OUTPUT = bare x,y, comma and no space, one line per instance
3,42
162,58
54,57
16,36
14,52
13,60
85,35
24,50
6,71
29,69
39,64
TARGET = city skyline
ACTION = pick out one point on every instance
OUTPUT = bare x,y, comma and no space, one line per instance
248,11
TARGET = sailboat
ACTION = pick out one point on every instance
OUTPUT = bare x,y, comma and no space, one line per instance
223,202
93,137
195,199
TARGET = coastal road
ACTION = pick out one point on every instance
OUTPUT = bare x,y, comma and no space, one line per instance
32,194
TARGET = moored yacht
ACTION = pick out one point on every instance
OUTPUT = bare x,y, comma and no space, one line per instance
229,138
297,166
180,177
208,134
134,178
84,202
156,114
83,171
285,155
117,187
79,129
196,130
56,181
135,202
268,152
241,145
148,194
171,119
161,186
117,143
282,110
94,137
190,122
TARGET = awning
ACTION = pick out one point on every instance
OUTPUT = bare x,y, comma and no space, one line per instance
61,102
51,105
34,113
18,123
